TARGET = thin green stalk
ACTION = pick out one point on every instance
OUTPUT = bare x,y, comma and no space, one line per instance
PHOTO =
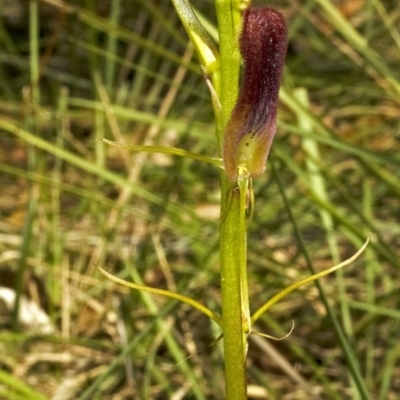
229,58
242,255
232,239
232,231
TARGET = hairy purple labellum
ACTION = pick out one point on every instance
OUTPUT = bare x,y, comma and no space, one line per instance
252,125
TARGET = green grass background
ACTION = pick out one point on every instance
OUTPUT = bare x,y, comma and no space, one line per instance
75,72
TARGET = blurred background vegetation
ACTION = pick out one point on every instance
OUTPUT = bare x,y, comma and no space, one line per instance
74,72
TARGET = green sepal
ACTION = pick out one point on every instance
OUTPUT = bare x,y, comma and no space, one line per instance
205,47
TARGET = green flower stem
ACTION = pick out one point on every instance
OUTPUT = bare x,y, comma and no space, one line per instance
233,238
242,252
232,231
229,58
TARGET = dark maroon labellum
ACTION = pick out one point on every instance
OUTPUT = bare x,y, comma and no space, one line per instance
252,125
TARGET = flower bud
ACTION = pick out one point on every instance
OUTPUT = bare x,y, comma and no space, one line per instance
252,125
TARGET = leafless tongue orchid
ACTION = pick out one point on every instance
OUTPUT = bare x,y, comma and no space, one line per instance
252,125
